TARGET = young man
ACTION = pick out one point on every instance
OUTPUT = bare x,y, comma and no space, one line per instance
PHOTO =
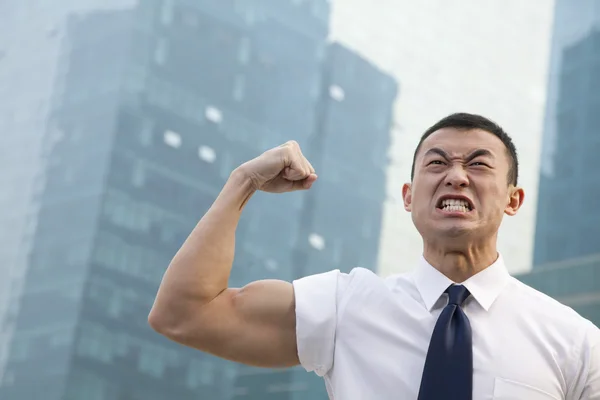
458,327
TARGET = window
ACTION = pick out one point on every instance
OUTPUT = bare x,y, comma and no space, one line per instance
239,87
213,114
160,52
94,342
141,262
225,165
250,17
154,359
316,241
139,174
207,154
367,227
89,386
123,211
193,372
172,139
338,247
62,338
244,51
200,373
337,93
166,13
146,133
150,364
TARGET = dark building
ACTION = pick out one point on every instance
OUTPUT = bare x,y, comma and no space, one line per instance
339,219
567,244
342,216
154,107
568,218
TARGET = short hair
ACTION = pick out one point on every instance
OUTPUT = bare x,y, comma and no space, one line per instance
473,121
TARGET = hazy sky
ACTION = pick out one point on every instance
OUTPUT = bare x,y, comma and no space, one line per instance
486,57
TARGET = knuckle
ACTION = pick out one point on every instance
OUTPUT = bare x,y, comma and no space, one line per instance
287,152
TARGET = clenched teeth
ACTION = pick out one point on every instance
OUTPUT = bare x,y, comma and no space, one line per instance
455,205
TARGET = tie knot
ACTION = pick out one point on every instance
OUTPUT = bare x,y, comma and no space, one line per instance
458,294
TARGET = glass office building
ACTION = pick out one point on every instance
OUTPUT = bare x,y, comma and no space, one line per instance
342,220
152,106
567,248
339,222
568,219
30,45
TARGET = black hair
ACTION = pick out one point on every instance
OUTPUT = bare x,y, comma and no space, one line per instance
473,121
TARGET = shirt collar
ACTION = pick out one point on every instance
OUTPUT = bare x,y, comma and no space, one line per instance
484,286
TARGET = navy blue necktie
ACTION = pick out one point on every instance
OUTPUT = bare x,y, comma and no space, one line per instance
448,371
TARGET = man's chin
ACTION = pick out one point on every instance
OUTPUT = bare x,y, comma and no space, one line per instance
455,230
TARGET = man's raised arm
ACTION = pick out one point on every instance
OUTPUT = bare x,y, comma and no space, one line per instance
256,324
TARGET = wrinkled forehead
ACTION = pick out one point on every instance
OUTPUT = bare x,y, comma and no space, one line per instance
460,143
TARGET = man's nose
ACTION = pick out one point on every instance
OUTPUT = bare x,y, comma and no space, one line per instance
457,177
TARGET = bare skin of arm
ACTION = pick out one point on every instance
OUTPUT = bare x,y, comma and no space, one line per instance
256,324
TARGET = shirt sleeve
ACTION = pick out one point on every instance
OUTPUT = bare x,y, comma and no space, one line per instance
317,297
589,376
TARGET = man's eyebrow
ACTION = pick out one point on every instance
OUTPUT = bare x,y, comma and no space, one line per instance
438,151
479,153
473,155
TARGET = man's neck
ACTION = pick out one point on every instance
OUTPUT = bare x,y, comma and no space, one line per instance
459,264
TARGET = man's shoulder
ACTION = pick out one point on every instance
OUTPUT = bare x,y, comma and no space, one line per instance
337,273
360,284
342,280
551,310
370,277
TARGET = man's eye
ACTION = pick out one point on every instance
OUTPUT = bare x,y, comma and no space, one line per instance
478,164
436,162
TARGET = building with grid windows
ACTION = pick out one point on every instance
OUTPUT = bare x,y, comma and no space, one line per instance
152,107
30,46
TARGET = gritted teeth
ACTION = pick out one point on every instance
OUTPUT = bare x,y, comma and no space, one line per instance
455,205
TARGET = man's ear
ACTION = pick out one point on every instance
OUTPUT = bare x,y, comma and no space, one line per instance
515,200
407,196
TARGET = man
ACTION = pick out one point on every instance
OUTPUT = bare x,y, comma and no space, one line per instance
458,327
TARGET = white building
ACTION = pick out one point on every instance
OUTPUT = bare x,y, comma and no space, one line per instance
486,57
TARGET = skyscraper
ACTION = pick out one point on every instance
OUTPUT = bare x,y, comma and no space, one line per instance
343,215
568,219
567,251
30,43
152,108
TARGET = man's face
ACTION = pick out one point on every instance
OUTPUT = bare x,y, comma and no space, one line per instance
460,185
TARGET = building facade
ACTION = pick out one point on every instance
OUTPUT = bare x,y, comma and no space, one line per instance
567,251
571,140
30,46
339,219
152,107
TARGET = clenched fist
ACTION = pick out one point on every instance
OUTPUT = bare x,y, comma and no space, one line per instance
281,169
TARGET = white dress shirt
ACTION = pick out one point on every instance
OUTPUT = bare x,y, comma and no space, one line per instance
368,336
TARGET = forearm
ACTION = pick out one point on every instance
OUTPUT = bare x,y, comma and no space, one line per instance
200,270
